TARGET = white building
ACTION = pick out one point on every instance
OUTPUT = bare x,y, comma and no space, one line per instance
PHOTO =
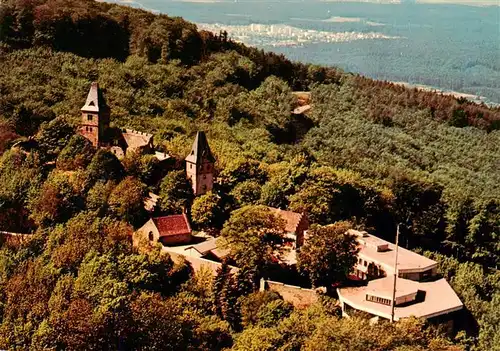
419,292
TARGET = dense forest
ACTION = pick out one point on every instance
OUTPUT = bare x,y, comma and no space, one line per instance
369,152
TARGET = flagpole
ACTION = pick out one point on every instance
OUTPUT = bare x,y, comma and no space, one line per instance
393,301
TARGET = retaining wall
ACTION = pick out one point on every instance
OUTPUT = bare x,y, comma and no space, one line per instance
297,296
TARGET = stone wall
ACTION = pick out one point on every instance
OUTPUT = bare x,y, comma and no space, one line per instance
297,296
197,262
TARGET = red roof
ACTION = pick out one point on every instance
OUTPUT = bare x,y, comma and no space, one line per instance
172,225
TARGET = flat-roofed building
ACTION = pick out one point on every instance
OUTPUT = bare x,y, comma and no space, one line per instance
419,292
420,299
376,259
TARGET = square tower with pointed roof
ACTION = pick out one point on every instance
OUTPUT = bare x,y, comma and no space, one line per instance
95,117
200,165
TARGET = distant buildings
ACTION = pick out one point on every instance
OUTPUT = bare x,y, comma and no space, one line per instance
283,35
419,292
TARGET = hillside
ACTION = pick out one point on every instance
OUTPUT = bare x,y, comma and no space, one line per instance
371,152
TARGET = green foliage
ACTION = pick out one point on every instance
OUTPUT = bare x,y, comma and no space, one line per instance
225,296
141,166
76,155
273,312
371,152
329,195
328,255
103,167
53,137
247,193
97,197
252,233
176,192
252,304
126,200
206,212
479,289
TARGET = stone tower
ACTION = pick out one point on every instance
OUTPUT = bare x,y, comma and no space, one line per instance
200,165
95,117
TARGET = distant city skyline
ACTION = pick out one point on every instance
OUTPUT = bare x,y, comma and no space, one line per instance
143,4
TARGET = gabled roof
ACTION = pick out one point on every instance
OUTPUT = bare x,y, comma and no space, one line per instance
172,225
200,151
95,101
292,219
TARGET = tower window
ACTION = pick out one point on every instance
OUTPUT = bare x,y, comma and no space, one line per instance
90,128
89,117
150,236
86,129
190,166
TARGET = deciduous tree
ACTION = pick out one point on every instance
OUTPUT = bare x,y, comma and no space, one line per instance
328,255
253,233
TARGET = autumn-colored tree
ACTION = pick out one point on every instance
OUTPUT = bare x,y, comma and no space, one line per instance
126,200
68,244
56,201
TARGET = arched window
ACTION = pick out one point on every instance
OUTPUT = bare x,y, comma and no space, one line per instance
151,236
